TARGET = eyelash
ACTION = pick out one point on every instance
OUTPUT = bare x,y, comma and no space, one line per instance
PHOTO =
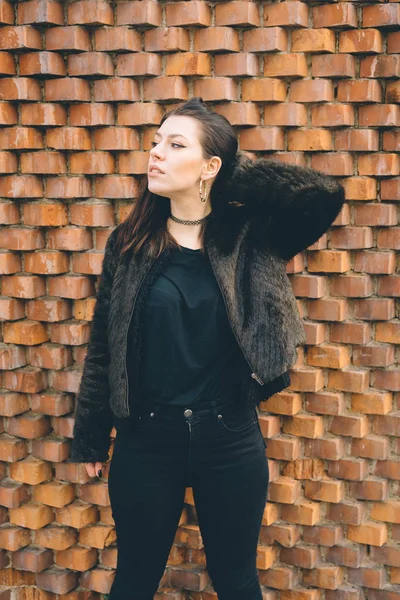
178,145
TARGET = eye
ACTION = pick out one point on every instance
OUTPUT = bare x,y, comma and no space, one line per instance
176,145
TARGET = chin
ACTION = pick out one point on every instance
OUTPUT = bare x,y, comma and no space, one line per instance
155,189
153,186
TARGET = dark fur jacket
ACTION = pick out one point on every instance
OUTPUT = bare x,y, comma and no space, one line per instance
271,211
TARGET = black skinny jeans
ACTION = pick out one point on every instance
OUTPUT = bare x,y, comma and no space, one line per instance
219,452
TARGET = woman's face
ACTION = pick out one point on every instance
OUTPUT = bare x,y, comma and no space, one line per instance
178,153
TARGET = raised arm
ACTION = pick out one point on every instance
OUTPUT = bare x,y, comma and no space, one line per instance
93,417
296,205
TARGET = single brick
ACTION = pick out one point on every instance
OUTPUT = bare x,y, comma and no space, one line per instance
335,15
392,93
328,261
375,262
243,64
315,90
302,425
328,309
263,90
285,65
348,380
188,64
370,447
388,512
371,533
361,90
372,309
390,189
360,188
310,140
42,63
385,115
90,64
286,14
376,214
333,65
381,65
193,14
20,37
351,286
286,114
388,380
389,238
358,140
332,115
326,577
70,89
338,165
349,468
269,39
393,42
350,333
388,332
351,238
327,355
327,448
381,15
242,14
324,491
167,39
216,39
139,13
90,12
361,41
325,403
389,286
73,37
117,39
313,40
262,138
350,425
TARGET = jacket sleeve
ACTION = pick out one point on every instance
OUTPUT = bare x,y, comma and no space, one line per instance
93,416
294,205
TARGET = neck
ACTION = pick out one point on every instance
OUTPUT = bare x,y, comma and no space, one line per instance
190,211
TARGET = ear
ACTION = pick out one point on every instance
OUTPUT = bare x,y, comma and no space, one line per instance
212,168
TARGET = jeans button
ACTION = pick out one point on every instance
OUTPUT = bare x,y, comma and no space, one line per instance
152,414
188,412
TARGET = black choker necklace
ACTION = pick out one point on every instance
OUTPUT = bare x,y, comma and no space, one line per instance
187,222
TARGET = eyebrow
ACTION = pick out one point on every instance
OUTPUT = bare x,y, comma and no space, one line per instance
171,135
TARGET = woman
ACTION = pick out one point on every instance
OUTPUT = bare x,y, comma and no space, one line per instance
195,323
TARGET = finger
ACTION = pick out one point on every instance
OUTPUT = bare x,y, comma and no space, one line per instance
90,468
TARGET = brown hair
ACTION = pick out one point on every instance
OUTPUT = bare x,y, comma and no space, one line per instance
145,226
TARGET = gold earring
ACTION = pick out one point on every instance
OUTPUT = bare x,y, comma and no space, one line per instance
203,197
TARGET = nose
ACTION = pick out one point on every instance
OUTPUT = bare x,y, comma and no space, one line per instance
156,157
155,151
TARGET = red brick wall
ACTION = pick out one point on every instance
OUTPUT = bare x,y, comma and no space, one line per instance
83,86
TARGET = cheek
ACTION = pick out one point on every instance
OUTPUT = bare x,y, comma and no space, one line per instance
187,168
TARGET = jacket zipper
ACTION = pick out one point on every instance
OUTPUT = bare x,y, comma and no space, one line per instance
126,341
253,374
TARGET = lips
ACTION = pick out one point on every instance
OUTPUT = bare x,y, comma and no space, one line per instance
155,169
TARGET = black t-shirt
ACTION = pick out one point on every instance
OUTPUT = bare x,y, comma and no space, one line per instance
190,354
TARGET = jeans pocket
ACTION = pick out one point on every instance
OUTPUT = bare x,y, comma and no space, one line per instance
237,421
